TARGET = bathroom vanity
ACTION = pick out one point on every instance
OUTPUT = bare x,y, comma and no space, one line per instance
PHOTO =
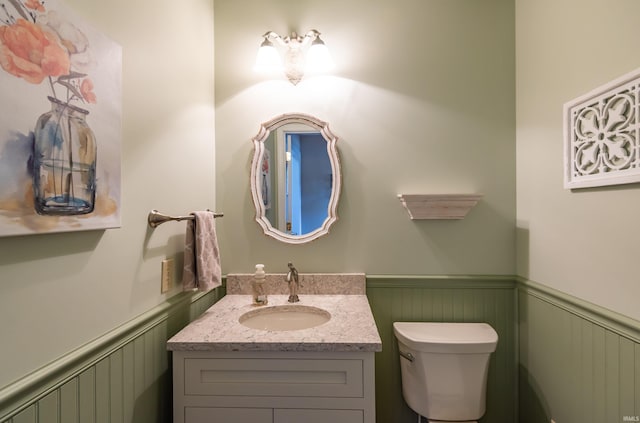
224,371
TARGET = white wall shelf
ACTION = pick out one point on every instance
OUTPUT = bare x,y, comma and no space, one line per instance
438,206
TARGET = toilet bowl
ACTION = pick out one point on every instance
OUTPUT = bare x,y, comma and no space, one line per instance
444,368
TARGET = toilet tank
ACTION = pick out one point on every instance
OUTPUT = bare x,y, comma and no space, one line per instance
448,375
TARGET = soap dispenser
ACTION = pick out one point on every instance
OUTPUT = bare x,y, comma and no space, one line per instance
257,285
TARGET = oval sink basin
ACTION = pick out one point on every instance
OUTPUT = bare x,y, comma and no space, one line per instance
285,317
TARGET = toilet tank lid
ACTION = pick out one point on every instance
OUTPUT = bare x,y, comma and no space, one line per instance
447,337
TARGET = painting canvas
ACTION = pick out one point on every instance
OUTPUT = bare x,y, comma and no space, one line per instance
60,121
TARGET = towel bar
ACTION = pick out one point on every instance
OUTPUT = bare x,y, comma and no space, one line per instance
156,218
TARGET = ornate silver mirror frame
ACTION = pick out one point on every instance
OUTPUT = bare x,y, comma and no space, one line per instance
261,158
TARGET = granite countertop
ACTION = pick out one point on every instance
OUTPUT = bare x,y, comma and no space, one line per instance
351,327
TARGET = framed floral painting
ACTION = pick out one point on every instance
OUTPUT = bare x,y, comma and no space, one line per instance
60,121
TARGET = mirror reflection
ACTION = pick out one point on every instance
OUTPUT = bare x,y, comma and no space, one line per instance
295,178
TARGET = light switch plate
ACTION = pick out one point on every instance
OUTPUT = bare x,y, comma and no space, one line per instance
167,275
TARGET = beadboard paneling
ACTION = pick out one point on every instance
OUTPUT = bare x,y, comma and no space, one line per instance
578,363
123,378
445,299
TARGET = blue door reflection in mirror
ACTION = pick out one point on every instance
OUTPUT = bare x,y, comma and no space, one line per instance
295,178
309,182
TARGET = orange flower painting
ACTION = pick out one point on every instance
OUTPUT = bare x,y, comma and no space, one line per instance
86,89
30,52
39,45
52,124
34,5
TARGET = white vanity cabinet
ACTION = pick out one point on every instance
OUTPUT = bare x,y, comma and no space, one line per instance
273,387
226,372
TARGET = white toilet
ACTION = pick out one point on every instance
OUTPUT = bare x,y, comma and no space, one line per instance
444,368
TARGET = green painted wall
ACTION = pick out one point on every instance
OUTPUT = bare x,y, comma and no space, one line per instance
421,88
581,242
578,363
408,102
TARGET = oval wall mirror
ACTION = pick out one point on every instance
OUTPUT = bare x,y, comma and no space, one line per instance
295,178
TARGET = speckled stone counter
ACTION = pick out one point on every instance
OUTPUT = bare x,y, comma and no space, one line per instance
351,327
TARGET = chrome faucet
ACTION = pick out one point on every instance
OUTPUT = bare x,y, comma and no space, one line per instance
294,283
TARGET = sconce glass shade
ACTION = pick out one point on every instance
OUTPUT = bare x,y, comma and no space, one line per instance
318,57
297,55
268,59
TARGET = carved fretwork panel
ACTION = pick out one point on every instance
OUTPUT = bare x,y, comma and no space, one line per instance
601,135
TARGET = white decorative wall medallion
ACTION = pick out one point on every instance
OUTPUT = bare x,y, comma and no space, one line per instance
601,135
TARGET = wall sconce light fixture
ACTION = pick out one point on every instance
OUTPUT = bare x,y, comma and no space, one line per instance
300,54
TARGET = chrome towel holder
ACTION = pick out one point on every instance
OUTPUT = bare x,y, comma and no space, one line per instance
156,218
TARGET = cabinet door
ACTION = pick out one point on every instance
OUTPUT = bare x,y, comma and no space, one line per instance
227,415
317,416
